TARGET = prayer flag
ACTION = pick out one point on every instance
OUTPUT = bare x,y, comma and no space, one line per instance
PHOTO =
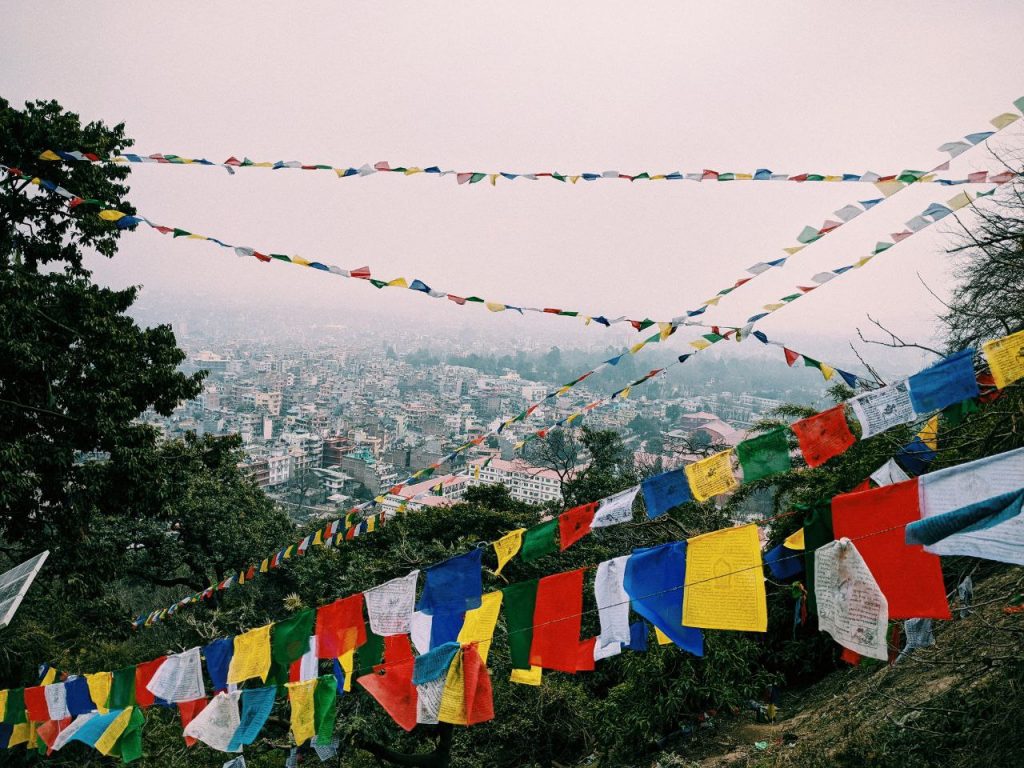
615,509
539,541
574,524
325,708
851,606
884,408
507,547
394,691
889,473
340,627
909,577
947,382
915,456
99,684
143,674
478,627
179,678
612,602
218,660
250,657
817,533
289,640
665,491
467,698
389,606
256,706
520,602
1005,357
795,540
556,621
711,476
122,689
764,455
783,563
654,580
216,725
725,581
823,436
452,586
531,676
300,698
76,691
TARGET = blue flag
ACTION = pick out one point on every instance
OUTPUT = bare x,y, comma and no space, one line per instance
256,706
638,632
79,702
218,657
454,586
432,665
915,456
947,382
785,564
95,727
654,582
974,517
664,491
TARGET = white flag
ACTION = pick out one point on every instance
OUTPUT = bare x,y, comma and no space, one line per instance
179,678
216,725
851,607
389,606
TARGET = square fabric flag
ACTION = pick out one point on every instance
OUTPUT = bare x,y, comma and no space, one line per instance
875,520
948,381
453,586
711,476
883,408
725,581
556,621
1005,357
764,455
574,524
823,436
664,491
539,541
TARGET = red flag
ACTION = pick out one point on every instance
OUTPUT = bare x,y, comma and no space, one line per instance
456,299
391,685
50,730
709,175
556,621
574,524
823,435
909,577
362,273
585,655
850,657
340,627
791,356
143,674
188,711
479,696
36,708
397,649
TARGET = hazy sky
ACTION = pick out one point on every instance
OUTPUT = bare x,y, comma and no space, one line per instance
529,86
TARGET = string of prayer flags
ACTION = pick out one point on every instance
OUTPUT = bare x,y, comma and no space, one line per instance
665,491
910,578
389,606
257,704
1005,357
217,724
452,586
507,547
851,606
612,603
250,656
615,509
539,541
520,600
882,409
725,581
823,436
764,455
654,580
574,524
949,381
556,621
712,476
179,678
973,509
340,627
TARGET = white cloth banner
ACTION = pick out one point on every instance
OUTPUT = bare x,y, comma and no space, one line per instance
390,605
56,701
851,607
612,603
615,509
65,736
428,700
957,487
884,408
606,652
889,473
216,724
179,678
420,626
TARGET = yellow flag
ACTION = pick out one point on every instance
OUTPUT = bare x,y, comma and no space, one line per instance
49,155
288,552
795,540
999,121
889,188
794,249
713,302
773,307
574,179
507,547
371,523
398,282
453,698
1005,357
50,677
265,566
300,261
251,657
494,306
411,171
744,176
665,330
826,370
494,179
201,237
21,734
711,476
99,689
479,624
661,637
625,393
300,696
930,433
105,743
700,343
959,201
833,178
317,538
637,347
725,581
347,662
3,705
111,215
863,260
531,676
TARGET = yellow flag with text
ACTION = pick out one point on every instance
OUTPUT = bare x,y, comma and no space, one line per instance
251,657
724,586
300,697
711,476
479,624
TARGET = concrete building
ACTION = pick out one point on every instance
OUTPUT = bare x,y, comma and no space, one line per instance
524,482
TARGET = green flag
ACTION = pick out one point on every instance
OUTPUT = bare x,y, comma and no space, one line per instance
817,533
122,689
539,541
15,712
764,455
289,640
129,745
325,699
369,654
519,600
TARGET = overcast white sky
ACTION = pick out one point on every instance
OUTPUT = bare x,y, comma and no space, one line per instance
528,86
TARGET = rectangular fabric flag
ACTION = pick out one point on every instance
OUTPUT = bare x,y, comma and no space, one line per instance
325,708
395,692
817,533
389,606
665,491
99,684
289,640
143,674
574,524
711,476
256,706
764,455
556,621
179,678
654,581
889,473
909,577
77,694
784,564
216,725
340,627
851,606
122,689
1005,357
479,624
974,483
520,601
725,581
452,586
250,657
615,509
884,408
947,382
823,436
507,547
612,602
300,697
218,660
539,541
